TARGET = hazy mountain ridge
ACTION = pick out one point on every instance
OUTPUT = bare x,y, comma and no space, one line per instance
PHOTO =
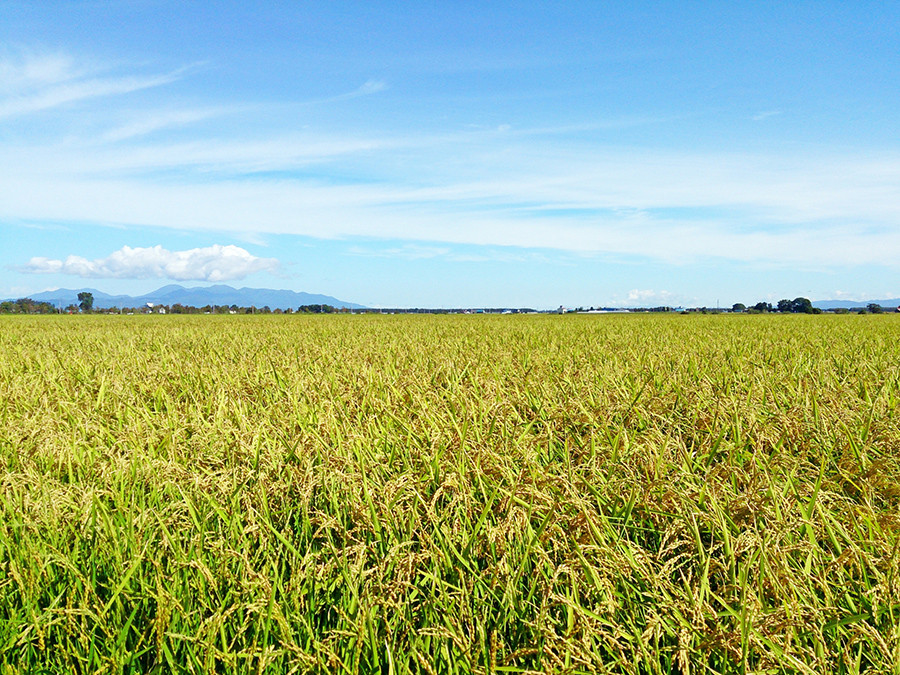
198,296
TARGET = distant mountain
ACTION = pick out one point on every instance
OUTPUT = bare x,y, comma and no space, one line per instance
849,304
198,296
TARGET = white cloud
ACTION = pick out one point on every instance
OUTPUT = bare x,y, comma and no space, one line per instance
212,263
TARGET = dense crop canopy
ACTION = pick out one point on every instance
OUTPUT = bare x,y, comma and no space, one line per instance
428,494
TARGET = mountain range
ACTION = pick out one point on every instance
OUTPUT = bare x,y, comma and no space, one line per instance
198,296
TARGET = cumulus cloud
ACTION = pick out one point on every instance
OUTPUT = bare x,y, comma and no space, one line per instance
211,263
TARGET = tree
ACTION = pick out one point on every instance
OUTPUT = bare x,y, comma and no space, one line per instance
738,307
784,305
874,308
801,306
86,301
763,306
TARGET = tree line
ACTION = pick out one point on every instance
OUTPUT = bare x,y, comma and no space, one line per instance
800,306
26,306
785,306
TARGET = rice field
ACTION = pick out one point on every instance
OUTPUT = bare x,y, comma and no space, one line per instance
450,494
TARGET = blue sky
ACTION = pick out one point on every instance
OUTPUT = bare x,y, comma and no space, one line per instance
453,154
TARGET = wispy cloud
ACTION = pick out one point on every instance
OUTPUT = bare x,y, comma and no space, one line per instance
62,94
678,208
25,72
203,158
758,117
32,82
368,88
212,263
406,252
448,253
158,121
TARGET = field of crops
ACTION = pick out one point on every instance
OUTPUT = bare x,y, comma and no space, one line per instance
468,494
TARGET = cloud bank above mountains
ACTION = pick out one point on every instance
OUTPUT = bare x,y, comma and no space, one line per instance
212,263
